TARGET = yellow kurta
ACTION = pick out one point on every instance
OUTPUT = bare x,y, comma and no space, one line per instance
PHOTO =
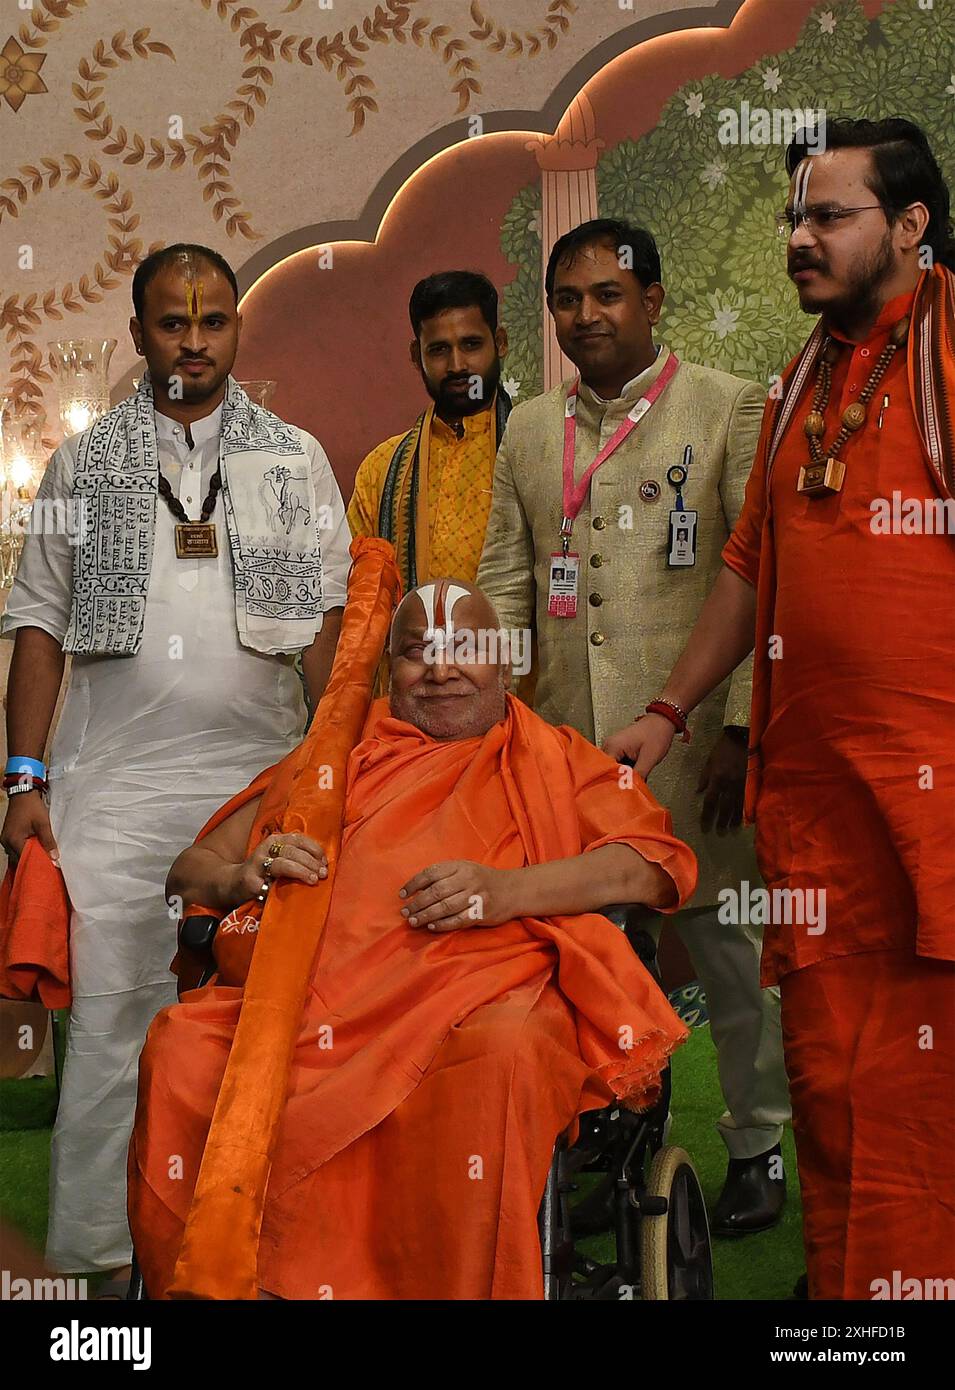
460,477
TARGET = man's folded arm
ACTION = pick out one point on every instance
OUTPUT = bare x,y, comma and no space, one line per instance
611,873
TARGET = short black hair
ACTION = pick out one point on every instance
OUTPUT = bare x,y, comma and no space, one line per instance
905,171
452,289
637,240
149,268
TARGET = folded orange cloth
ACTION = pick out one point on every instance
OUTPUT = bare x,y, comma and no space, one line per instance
35,931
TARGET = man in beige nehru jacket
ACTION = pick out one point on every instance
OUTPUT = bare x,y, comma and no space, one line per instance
611,564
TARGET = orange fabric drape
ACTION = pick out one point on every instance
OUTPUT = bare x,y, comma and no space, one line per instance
35,930
226,1210
416,1052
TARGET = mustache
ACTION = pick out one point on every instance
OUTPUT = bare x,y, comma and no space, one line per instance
799,262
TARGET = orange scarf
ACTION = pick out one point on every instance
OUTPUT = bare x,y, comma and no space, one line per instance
306,793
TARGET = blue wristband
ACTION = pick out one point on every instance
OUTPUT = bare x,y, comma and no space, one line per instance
32,766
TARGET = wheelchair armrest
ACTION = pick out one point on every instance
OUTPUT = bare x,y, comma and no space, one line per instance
617,912
194,963
197,932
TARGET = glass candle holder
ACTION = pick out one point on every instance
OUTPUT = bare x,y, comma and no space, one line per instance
21,468
82,372
259,391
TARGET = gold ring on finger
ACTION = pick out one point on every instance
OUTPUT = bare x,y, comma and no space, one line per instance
276,849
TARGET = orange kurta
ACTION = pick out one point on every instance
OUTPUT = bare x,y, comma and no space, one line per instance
432,1073
856,801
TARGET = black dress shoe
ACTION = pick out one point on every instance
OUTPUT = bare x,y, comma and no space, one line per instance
752,1200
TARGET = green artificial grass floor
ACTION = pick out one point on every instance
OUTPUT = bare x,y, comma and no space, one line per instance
755,1267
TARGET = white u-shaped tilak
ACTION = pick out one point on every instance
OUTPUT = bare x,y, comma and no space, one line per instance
427,594
803,174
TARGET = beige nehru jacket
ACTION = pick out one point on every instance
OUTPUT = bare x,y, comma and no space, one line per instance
597,671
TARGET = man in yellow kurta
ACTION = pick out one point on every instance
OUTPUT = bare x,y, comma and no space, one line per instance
429,491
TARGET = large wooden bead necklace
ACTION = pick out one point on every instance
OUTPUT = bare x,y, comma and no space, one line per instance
194,539
826,472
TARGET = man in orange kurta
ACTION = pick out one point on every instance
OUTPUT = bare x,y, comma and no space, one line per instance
465,1004
849,595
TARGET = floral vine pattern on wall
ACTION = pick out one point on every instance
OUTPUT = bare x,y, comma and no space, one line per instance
209,149
710,206
498,38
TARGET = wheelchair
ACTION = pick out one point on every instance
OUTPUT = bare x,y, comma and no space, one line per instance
647,1197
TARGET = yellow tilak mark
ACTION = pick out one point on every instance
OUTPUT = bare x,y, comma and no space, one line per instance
194,290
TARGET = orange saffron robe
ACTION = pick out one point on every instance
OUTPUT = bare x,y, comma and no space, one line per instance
433,1073
856,801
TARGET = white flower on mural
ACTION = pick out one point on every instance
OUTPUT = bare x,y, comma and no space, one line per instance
827,22
724,322
951,86
512,386
771,79
694,104
714,174
534,224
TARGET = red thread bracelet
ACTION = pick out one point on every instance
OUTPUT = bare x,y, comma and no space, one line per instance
673,713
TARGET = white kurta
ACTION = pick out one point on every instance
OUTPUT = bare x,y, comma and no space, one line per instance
147,748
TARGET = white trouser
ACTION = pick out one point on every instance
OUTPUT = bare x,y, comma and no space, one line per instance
88,1230
744,1023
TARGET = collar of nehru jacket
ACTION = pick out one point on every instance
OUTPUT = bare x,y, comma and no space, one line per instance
633,388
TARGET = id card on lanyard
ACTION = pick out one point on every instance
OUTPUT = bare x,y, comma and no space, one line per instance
681,541
565,563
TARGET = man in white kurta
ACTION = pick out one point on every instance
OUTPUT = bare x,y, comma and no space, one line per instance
147,747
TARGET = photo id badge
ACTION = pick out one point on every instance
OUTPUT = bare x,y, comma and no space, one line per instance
682,543
562,594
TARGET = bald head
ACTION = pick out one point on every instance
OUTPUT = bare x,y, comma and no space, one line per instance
449,665
443,605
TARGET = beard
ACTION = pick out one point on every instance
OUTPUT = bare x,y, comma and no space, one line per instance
859,300
452,716
452,403
195,392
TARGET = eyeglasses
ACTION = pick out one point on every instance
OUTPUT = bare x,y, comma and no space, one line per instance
818,219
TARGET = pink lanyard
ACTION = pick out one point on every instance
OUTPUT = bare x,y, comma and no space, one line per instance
574,495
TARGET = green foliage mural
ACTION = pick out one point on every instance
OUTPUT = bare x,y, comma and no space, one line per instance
710,205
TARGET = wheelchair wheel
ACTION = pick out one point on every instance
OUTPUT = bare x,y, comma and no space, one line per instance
675,1258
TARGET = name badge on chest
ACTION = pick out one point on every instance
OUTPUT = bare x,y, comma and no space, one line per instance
681,549
562,591
681,542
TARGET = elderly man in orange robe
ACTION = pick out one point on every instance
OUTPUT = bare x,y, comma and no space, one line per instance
464,1004
842,570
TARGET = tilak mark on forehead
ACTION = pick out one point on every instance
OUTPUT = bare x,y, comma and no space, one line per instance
188,264
194,290
803,174
439,601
